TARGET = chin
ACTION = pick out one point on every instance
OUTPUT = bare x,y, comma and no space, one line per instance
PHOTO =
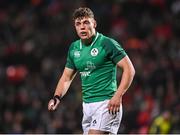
84,38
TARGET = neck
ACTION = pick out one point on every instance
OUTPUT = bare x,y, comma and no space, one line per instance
89,40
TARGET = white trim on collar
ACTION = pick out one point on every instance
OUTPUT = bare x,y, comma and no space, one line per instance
92,42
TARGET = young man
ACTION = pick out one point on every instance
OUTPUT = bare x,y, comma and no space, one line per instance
95,57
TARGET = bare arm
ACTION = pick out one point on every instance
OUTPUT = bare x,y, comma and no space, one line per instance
64,82
128,73
62,87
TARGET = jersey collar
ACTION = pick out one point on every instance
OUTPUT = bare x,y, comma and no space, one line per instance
97,35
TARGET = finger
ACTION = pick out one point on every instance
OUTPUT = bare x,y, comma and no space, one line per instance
55,104
111,110
50,104
116,110
109,106
51,108
54,107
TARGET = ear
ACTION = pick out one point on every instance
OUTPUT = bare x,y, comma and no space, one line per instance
95,23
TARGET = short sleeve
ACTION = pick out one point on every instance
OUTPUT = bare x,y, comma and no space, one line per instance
114,50
69,60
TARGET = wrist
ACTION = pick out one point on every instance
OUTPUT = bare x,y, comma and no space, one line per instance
119,94
57,98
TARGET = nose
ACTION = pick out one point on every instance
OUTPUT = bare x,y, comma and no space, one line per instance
82,27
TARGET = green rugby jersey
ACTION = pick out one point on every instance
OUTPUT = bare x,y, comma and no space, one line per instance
96,64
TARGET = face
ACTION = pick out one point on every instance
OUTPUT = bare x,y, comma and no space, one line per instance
85,27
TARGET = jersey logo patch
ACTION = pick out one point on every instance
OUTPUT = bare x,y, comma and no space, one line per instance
94,122
94,52
77,54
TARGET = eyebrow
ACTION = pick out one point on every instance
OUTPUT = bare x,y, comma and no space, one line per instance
82,21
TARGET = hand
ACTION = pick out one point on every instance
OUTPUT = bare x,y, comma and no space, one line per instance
114,104
53,103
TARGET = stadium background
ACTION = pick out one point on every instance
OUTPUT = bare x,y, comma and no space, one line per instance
34,39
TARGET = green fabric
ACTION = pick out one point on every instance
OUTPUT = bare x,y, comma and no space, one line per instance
97,65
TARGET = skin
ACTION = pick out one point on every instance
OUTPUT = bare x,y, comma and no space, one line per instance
85,28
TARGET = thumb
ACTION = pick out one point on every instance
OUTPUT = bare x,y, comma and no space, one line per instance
55,104
109,104
51,104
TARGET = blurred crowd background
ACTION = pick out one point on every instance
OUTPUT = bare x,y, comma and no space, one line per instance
34,39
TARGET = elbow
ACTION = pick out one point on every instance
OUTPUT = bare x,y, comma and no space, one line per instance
133,72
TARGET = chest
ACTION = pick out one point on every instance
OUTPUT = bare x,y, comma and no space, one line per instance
89,58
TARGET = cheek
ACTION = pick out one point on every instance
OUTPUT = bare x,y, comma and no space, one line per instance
77,29
90,27
94,25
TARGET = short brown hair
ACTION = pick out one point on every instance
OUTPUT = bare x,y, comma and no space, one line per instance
83,12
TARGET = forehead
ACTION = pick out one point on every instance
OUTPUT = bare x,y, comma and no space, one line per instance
82,19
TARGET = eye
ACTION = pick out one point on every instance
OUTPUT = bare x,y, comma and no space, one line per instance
77,23
86,22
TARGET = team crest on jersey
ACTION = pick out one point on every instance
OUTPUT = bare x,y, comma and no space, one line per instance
76,54
94,52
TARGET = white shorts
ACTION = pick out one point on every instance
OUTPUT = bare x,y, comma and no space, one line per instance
96,116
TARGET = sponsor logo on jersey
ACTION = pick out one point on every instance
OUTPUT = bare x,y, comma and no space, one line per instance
90,65
77,54
94,52
85,73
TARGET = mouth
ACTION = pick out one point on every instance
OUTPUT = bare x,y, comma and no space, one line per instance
83,33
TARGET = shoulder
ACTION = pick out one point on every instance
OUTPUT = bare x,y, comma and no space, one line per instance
74,45
109,42
104,38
